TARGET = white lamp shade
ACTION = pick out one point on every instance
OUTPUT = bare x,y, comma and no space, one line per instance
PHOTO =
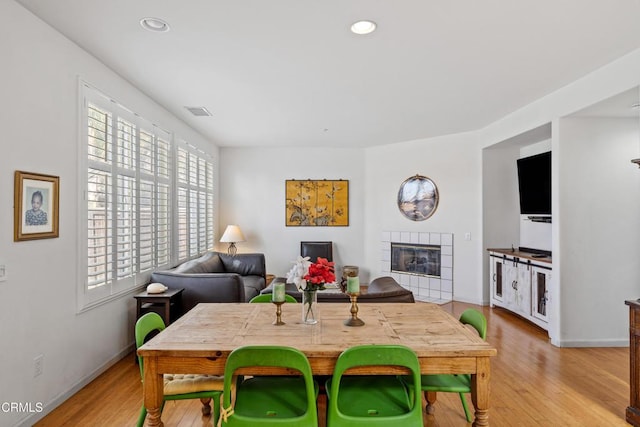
232,234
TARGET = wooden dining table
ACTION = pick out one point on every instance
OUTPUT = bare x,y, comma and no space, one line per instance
200,341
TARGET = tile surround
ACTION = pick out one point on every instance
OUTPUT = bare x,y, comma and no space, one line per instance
430,289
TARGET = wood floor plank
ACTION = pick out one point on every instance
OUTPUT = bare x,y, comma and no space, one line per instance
533,384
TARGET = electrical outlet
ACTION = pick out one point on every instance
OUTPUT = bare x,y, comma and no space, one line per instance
467,236
38,362
3,273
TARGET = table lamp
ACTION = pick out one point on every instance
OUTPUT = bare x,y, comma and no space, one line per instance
232,234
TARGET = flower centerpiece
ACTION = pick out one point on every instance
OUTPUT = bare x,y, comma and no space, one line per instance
310,277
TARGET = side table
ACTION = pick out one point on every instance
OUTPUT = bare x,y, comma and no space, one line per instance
165,304
270,278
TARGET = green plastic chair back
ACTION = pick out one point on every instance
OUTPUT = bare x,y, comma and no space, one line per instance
374,400
476,319
460,384
267,298
269,400
152,322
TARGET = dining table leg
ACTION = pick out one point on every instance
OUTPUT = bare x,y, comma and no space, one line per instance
480,392
153,390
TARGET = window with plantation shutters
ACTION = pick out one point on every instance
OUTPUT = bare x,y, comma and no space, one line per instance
130,197
195,202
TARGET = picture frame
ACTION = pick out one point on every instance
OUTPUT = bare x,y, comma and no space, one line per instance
35,206
317,203
418,198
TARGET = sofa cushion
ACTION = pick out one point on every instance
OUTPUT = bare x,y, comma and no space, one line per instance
244,265
207,263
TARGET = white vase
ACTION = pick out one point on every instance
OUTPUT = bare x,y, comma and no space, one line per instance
310,314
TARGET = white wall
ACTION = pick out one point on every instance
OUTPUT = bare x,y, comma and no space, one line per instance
567,327
252,195
453,163
500,204
39,121
599,228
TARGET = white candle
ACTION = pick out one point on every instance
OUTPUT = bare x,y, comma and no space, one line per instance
277,295
353,285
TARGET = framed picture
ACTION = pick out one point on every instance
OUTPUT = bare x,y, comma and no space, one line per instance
418,198
312,203
35,206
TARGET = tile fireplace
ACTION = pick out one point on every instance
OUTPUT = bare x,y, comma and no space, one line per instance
421,262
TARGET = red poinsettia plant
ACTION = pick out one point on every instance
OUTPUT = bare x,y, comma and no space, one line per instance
320,272
309,276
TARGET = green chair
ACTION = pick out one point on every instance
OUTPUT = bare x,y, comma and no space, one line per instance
269,400
179,387
378,400
267,298
460,384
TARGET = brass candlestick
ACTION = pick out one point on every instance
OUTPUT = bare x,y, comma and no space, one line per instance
354,321
278,320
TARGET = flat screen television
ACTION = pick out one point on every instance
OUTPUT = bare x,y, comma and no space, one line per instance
534,184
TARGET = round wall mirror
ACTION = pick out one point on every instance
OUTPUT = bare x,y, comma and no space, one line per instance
418,198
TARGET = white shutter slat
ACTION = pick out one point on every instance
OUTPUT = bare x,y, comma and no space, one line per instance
146,225
163,225
99,135
126,153
126,227
99,206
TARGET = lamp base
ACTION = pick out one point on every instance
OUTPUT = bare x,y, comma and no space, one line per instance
232,250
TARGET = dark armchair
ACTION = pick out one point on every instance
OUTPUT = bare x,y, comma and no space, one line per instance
317,249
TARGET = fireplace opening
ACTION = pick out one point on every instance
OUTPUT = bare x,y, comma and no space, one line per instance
422,260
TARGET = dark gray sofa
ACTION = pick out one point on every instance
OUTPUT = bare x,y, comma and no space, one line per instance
381,289
216,277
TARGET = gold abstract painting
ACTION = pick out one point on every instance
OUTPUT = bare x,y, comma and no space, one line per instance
320,203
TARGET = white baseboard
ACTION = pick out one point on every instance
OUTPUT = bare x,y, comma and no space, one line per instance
592,343
58,400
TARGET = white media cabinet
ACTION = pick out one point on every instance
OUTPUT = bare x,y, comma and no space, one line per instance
520,283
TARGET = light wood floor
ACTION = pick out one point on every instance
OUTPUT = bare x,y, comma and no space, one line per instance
532,384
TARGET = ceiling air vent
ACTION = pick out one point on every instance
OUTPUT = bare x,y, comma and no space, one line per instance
199,111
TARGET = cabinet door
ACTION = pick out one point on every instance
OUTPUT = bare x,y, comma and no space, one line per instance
510,284
517,287
540,278
523,290
496,278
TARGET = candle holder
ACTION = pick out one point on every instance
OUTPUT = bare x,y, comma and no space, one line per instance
278,320
354,321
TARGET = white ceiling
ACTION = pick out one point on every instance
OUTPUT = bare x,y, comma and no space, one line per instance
289,72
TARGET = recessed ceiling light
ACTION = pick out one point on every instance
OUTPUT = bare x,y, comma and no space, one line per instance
156,25
363,27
